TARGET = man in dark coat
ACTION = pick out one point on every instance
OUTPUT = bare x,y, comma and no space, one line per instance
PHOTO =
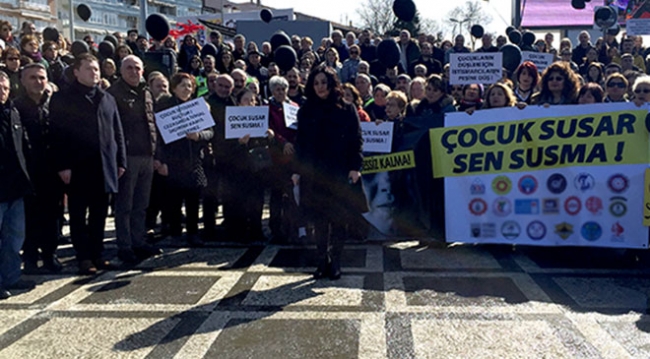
221,87
14,185
410,49
90,155
42,207
135,105
426,58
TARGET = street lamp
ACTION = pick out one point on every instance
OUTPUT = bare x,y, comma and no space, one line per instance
459,23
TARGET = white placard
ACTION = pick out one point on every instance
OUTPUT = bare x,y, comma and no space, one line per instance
541,59
290,115
377,138
247,120
637,27
174,123
475,68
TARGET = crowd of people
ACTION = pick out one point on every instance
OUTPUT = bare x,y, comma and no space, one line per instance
80,132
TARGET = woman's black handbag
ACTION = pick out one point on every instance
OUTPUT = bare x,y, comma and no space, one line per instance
260,158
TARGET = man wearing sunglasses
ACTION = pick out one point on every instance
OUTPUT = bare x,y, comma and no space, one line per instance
616,87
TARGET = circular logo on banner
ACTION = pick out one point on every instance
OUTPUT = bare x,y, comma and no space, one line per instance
556,183
591,231
502,207
618,207
501,185
510,230
584,182
618,183
594,205
536,230
527,184
572,205
477,187
477,206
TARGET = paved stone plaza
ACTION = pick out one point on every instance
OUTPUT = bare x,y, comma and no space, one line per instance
403,300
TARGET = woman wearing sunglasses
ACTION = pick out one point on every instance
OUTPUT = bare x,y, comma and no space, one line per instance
616,88
559,86
641,89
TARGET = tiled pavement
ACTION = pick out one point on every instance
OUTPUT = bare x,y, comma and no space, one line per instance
399,300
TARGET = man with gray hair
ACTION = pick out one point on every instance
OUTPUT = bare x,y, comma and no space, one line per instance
220,96
135,105
337,43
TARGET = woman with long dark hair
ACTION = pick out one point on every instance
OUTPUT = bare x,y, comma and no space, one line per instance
559,86
329,160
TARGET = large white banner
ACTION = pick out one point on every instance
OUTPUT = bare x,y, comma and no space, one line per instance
475,68
588,190
174,123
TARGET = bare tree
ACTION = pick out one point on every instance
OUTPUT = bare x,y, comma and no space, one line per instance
464,16
432,27
377,15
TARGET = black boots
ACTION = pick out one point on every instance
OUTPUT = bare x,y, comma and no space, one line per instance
328,266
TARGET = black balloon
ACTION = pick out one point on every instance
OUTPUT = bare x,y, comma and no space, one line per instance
404,10
515,37
106,49
510,29
286,58
578,4
78,47
528,38
157,26
388,53
51,34
278,39
84,12
112,39
208,49
266,15
511,57
477,31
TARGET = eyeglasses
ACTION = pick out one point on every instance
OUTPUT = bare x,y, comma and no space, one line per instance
645,91
617,84
556,78
354,52
13,58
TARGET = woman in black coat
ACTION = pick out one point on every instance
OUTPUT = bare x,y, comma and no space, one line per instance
181,162
329,160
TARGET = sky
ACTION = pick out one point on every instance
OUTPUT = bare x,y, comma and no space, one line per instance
345,10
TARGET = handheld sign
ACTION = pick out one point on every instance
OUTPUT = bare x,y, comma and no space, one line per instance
290,115
475,68
540,59
637,27
247,120
377,138
174,123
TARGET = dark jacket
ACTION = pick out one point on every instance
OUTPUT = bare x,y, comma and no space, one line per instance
14,181
368,52
136,114
222,149
73,111
184,157
433,66
35,118
427,109
329,146
412,50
